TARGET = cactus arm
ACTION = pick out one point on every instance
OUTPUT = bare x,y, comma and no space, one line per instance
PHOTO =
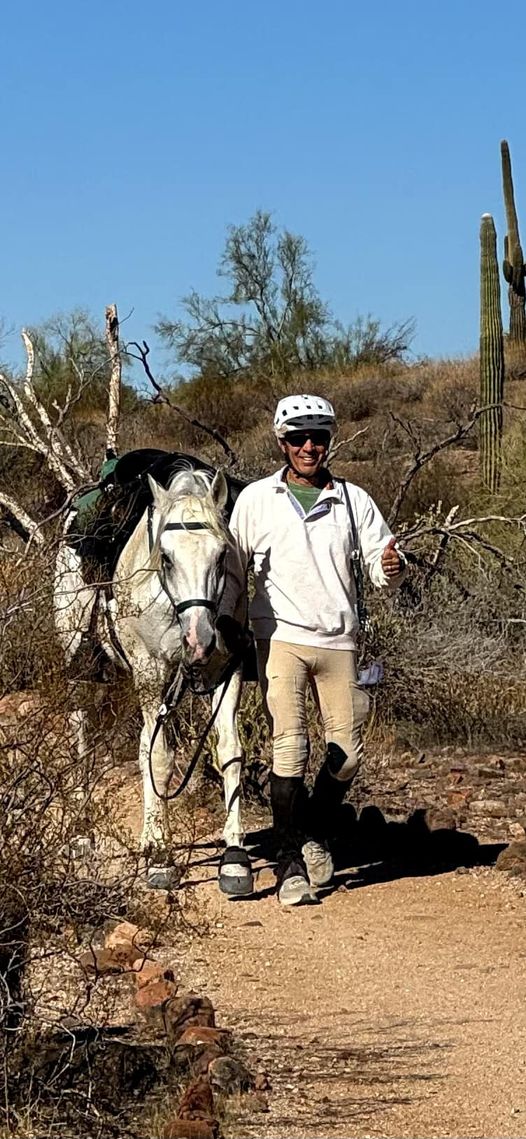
513,265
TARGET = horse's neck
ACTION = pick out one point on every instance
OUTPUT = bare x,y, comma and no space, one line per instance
136,552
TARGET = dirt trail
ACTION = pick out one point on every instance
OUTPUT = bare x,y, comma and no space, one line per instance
392,1009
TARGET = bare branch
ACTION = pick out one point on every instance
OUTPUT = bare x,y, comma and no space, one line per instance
344,443
56,449
112,340
161,397
520,521
420,458
440,552
29,526
30,432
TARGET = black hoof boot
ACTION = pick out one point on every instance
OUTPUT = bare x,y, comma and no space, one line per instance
235,873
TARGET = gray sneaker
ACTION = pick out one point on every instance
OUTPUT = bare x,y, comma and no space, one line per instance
293,886
319,863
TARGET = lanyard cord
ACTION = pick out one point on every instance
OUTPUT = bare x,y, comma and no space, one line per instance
356,561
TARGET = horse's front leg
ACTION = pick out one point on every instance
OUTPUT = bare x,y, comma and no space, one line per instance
235,873
157,763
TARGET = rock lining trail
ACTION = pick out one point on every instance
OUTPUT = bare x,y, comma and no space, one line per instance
394,1008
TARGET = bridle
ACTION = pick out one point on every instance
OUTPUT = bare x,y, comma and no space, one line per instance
180,607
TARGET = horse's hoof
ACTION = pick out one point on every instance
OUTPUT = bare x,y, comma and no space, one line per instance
235,873
163,877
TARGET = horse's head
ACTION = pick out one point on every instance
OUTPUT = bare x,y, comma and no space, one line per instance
190,543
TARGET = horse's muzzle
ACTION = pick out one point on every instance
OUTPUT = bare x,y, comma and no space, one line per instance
197,655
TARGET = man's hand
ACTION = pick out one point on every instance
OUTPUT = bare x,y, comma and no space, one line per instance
236,638
391,560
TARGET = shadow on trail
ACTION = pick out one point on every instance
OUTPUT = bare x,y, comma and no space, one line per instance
378,850
368,848
363,1078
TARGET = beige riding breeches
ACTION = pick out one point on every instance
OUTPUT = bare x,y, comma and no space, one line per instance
286,671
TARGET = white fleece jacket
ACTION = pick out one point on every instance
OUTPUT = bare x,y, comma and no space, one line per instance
304,584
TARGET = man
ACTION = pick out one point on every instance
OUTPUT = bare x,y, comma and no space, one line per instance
296,529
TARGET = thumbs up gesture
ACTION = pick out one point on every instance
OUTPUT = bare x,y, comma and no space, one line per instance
391,561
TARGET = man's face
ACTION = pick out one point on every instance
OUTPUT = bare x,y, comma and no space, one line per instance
306,451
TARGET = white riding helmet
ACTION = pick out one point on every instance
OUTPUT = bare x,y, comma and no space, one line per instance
298,412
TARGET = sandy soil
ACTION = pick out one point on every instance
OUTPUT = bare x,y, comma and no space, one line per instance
394,1008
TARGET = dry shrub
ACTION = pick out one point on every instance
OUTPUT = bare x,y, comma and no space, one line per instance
455,670
229,406
68,865
451,387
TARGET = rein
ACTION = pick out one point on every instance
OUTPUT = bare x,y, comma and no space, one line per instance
174,695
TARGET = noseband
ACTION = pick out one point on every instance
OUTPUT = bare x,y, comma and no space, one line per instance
181,606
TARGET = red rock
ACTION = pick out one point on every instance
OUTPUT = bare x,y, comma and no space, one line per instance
197,1102
440,818
153,997
100,961
458,798
148,972
201,1058
126,932
191,1129
513,858
203,1034
189,1009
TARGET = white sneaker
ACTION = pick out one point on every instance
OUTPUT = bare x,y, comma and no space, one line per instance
319,863
294,890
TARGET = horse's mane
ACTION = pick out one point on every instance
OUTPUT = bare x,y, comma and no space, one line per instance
190,489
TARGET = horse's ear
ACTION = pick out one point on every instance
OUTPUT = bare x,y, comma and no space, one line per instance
219,490
159,495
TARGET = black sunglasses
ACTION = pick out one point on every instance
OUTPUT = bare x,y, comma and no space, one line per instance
320,438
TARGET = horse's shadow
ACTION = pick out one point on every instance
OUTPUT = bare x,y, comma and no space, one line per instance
368,849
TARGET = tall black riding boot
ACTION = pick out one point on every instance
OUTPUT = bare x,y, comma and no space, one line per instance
328,794
287,797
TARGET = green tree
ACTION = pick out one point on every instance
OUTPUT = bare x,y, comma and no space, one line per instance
72,362
272,320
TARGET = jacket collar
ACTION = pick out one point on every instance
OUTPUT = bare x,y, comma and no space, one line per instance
279,483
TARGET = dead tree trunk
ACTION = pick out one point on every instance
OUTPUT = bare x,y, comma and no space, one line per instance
114,401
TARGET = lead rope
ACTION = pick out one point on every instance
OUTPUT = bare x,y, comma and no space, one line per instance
356,565
171,701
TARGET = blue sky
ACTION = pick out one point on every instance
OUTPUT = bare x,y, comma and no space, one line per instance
133,134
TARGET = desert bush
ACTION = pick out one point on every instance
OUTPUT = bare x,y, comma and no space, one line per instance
454,660
68,865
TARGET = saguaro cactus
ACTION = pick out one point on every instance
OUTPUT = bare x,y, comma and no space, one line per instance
513,265
491,357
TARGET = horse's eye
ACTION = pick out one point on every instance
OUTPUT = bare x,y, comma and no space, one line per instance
165,560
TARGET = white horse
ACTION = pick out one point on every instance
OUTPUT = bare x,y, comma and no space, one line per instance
166,592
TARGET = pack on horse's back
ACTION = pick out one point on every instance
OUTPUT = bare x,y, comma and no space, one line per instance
108,515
